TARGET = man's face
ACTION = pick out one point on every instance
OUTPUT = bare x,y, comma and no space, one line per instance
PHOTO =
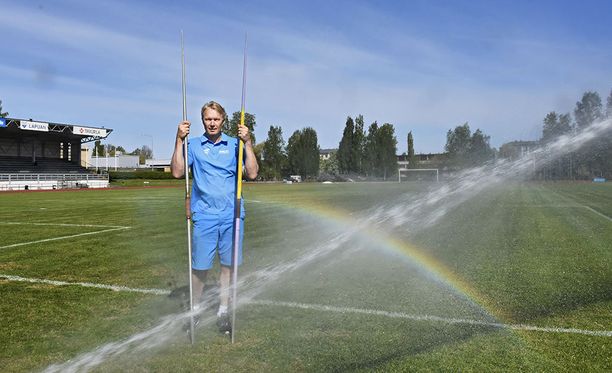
212,122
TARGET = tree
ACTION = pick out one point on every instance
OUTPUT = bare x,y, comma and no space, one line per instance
410,141
143,153
387,146
380,157
458,141
231,127
555,125
550,126
480,149
358,146
411,157
329,166
2,115
591,158
345,148
273,154
303,153
99,149
465,149
608,106
588,110
371,154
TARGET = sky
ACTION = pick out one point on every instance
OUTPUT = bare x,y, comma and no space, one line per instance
423,66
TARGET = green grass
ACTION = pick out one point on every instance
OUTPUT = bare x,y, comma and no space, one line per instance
535,254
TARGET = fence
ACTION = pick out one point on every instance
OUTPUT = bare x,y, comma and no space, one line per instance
27,181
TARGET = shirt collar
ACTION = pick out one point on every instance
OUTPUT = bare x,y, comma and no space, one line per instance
224,139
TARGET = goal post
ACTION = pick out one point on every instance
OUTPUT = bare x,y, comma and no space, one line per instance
421,174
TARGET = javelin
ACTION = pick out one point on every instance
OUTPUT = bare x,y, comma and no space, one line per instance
238,200
187,194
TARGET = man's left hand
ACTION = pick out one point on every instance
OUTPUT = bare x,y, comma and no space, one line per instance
243,133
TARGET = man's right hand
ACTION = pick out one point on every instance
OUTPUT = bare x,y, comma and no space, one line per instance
183,129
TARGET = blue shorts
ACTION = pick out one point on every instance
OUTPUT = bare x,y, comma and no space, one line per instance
211,234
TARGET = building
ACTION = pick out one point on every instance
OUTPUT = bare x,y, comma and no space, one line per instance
46,155
517,149
158,164
325,154
423,160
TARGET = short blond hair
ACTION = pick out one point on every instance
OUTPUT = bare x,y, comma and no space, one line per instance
216,107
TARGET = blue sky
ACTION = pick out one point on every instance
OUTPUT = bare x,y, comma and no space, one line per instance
424,66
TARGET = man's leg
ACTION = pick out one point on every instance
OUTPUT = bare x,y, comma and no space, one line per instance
198,278
205,236
226,249
223,319
224,282
225,255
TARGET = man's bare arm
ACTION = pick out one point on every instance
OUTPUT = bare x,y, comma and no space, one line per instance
177,164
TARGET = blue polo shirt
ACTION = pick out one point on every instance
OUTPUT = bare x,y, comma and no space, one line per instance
213,167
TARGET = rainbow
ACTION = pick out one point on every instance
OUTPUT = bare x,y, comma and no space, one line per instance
425,262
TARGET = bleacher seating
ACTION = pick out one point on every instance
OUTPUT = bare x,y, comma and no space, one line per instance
12,165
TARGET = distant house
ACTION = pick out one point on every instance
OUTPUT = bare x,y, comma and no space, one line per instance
402,161
158,164
117,161
423,160
517,149
325,154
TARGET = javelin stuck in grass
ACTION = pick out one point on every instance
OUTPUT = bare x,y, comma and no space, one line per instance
237,202
187,194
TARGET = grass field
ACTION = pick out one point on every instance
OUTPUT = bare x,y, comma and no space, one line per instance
517,279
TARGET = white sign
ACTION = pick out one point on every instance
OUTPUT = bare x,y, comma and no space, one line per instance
88,131
33,126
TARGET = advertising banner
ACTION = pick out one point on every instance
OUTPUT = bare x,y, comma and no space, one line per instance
33,126
2,122
88,131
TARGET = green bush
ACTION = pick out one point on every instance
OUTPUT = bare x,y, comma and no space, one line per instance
150,175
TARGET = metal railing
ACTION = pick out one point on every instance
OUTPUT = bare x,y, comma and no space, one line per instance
52,177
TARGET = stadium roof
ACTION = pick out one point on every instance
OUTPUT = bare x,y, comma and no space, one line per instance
17,126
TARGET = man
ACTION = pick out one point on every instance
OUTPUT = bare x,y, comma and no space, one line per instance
213,159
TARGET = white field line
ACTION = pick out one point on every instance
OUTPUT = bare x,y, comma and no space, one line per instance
597,212
63,237
111,228
67,225
85,284
319,307
446,320
568,206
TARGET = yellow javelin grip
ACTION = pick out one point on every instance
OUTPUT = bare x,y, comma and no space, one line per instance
240,156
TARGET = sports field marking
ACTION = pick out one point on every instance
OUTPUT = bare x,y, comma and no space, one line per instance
85,284
67,225
446,320
566,206
111,228
320,307
578,204
597,212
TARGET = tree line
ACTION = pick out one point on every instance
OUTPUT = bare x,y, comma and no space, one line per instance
592,160
359,154
372,154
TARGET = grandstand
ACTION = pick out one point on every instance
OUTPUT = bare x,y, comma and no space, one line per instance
44,155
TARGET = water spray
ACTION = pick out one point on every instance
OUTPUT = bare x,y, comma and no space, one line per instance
426,209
